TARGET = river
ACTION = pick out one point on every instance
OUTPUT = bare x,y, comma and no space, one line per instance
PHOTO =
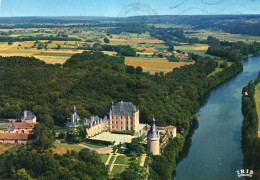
215,152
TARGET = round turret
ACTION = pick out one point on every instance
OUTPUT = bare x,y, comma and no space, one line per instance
153,140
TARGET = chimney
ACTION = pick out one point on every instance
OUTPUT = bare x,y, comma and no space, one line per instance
24,115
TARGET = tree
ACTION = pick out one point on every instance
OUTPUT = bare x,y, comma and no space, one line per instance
22,175
106,40
58,46
136,147
134,171
42,138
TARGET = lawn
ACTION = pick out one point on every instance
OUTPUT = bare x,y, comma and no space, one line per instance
257,101
61,148
117,170
111,160
92,145
104,157
122,160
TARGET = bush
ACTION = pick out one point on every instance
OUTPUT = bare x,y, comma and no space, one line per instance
132,132
61,135
99,142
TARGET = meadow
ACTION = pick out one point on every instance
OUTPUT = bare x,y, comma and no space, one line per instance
62,148
204,33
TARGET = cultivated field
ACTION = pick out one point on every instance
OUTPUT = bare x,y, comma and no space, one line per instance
133,40
199,49
204,33
154,65
51,56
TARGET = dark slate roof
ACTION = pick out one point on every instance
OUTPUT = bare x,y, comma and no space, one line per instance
71,124
96,118
29,115
153,133
124,108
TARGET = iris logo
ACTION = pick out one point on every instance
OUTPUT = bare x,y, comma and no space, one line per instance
245,172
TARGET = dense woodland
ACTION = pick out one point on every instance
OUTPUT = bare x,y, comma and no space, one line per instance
250,140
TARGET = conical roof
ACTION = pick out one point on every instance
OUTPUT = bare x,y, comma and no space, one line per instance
153,133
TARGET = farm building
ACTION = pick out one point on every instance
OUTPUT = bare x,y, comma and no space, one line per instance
18,132
28,117
13,138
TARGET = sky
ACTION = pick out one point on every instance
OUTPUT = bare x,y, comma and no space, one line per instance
122,8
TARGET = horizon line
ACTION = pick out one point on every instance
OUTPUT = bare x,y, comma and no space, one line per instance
133,16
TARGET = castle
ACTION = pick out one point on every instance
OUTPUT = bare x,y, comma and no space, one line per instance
122,117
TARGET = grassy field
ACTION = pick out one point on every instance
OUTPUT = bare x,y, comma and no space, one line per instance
204,33
122,160
104,157
111,160
199,49
61,148
117,170
4,125
218,69
257,101
154,65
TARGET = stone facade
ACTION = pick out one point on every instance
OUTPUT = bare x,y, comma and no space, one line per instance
95,125
123,116
28,117
171,131
153,140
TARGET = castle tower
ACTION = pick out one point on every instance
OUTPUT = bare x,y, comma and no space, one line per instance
74,117
153,140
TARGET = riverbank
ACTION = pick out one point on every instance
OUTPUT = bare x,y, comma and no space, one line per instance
174,151
250,128
215,148
257,101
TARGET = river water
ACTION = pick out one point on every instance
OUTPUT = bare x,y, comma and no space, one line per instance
215,152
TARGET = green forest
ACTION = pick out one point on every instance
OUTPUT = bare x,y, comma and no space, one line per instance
250,140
